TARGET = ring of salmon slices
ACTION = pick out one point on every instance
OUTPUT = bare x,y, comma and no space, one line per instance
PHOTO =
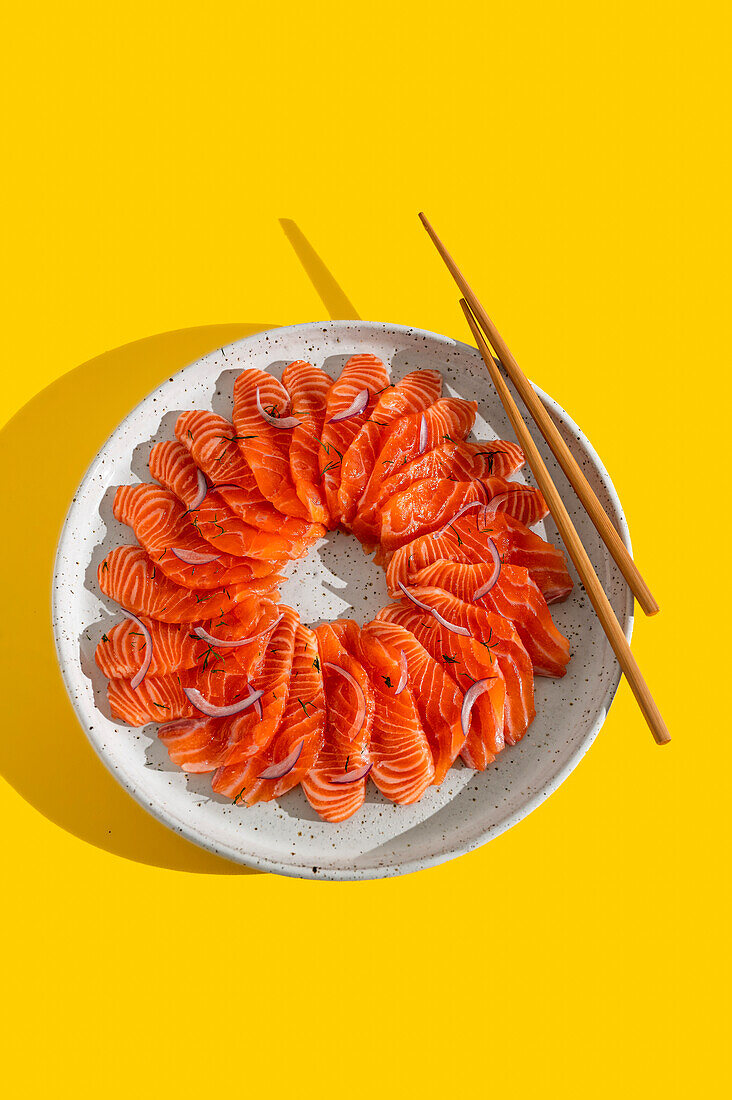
206,651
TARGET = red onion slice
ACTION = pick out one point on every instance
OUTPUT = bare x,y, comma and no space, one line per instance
427,607
465,508
276,771
361,711
285,422
452,626
485,588
357,406
239,641
493,503
419,603
353,776
202,490
471,695
259,709
197,700
192,557
142,670
404,672
267,630
422,435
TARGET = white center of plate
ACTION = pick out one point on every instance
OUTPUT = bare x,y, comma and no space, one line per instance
335,581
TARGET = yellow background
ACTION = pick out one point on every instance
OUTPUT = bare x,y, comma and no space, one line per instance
576,158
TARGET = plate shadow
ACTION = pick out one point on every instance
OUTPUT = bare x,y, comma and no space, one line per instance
44,754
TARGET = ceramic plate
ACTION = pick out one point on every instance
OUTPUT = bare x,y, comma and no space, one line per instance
335,580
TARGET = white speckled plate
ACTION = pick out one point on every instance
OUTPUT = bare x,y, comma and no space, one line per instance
335,580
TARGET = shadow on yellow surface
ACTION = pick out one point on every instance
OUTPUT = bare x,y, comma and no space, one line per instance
336,301
44,753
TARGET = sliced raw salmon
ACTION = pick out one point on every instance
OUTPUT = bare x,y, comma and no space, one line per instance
403,768
156,699
199,743
215,521
302,727
248,733
213,444
195,744
202,744
515,596
130,577
349,716
175,646
448,419
361,372
439,701
211,441
464,661
162,526
500,639
427,505
173,468
415,392
466,540
459,461
421,508
308,387
266,447
232,518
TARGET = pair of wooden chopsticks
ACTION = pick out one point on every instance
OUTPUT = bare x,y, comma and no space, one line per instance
477,318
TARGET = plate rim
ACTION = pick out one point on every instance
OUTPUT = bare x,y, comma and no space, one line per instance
334,874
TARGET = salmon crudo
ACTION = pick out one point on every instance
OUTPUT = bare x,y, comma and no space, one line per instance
237,685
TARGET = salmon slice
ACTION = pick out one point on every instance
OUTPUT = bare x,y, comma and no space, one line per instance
415,392
461,461
161,525
500,639
266,448
163,698
203,744
428,505
361,372
403,768
464,661
196,745
156,699
175,646
454,461
446,420
130,578
302,724
516,597
248,733
466,541
225,530
346,745
173,468
212,443
423,507
232,519
308,387
438,699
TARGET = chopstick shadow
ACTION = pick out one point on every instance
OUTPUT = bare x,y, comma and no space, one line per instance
338,304
44,754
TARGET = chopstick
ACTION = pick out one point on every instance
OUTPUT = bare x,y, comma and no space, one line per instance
572,541
548,429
